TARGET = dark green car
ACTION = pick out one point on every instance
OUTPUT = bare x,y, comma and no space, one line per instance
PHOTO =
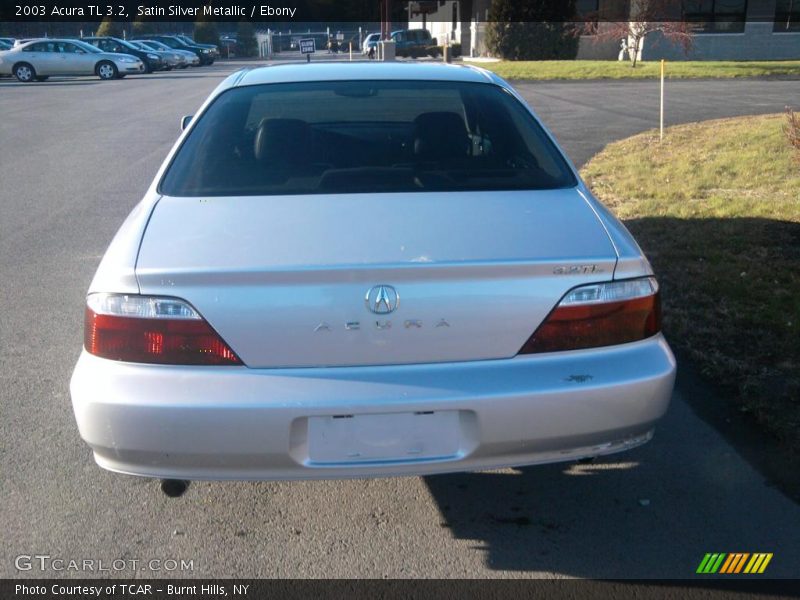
414,42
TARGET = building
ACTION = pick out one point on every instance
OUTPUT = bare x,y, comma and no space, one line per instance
723,29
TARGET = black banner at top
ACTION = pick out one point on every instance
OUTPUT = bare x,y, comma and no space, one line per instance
343,11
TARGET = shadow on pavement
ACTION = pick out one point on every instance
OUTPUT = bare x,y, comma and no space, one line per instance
652,512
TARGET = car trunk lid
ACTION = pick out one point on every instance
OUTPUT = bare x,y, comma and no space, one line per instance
286,280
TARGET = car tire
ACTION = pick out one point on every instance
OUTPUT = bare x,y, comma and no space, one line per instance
24,72
106,70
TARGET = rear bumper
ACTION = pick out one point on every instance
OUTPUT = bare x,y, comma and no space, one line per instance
241,423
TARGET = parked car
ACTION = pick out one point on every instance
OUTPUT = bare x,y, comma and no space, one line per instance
38,60
171,59
204,54
152,61
370,45
445,295
190,57
212,48
414,43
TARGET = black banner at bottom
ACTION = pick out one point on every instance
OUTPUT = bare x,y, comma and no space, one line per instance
319,589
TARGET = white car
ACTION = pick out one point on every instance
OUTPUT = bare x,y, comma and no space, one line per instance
39,59
364,270
370,43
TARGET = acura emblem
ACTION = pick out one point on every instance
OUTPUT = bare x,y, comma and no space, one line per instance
382,299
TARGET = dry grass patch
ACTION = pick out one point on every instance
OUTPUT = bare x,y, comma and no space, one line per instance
716,207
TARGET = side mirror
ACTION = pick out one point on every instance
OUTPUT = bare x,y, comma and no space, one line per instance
185,120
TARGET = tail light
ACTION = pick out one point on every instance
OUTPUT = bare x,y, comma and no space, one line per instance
147,329
603,314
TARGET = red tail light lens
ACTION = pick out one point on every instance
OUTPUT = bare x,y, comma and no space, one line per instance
604,314
146,329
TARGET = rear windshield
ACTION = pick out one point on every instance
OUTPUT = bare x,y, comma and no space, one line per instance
364,136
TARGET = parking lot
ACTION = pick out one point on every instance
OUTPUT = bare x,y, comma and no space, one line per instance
78,153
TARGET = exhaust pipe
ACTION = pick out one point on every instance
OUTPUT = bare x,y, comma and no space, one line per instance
174,488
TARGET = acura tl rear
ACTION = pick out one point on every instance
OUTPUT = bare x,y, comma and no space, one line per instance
365,270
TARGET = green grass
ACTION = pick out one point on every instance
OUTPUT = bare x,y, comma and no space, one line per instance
612,69
716,207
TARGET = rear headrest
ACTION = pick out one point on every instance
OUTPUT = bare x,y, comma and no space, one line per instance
440,135
282,141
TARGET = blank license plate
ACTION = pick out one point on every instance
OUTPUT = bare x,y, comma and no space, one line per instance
388,437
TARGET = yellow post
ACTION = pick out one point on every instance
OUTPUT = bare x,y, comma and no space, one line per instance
661,137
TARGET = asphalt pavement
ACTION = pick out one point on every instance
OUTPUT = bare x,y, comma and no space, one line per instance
77,154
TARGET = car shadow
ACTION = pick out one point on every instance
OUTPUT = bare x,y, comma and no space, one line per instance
643,514
175,75
94,81
708,484
52,82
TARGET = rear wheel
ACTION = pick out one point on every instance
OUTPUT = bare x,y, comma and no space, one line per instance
24,72
107,70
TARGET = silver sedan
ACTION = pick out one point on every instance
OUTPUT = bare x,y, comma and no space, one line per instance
39,59
365,270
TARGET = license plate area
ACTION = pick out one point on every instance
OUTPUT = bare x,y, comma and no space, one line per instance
392,437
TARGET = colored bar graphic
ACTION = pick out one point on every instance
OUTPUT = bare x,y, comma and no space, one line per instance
758,563
741,562
711,563
704,564
726,566
733,563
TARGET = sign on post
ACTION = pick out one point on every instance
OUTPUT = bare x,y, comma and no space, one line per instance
307,46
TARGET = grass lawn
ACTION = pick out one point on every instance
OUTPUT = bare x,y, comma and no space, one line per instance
612,69
716,207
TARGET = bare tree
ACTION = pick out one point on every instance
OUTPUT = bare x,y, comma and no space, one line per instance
645,17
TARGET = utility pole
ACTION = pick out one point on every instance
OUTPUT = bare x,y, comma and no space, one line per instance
386,19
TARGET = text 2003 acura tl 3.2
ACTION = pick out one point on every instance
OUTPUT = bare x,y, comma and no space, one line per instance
348,270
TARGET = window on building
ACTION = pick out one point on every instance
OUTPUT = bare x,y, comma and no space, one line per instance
787,16
715,16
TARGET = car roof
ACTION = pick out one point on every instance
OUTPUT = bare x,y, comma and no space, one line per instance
341,71
49,39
